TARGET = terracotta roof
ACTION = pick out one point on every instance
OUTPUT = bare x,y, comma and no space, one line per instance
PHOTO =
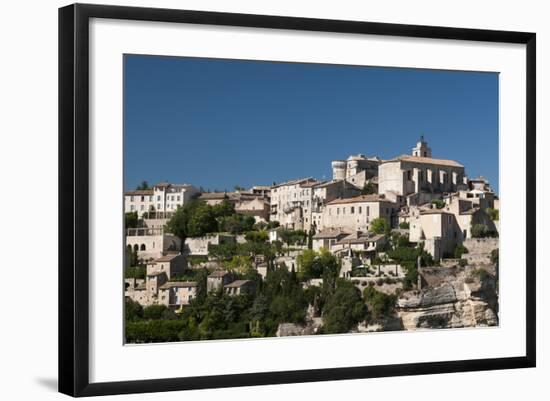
359,239
237,283
435,211
295,182
156,274
218,274
178,284
360,198
139,192
166,258
425,160
330,233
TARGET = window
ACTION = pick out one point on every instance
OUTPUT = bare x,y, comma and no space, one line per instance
142,248
143,198
158,206
360,210
158,197
343,210
337,210
408,175
132,208
178,198
352,210
141,207
368,210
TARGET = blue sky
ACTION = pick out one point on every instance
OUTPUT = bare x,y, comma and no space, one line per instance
221,123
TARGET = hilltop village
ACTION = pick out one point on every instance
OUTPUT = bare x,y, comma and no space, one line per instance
401,244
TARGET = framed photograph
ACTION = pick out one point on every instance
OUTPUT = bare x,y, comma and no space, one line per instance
251,199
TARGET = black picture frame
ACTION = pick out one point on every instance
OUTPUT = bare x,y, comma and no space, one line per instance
74,199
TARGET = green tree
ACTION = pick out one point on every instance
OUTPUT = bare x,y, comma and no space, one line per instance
223,209
459,251
380,226
494,214
368,189
202,221
131,220
155,312
439,203
379,304
133,310
143,185
404,225
343,309
257,236
482,231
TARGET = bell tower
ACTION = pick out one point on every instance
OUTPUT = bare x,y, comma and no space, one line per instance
422,149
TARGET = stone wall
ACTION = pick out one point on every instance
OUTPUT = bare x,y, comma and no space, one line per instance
479,250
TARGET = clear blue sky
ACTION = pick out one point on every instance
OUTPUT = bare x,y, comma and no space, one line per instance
221,123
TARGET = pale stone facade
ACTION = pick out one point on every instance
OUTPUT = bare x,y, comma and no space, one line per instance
357,213
240,287
162,197
151,243
175,294
297,204
218,279
327,238
438,229
198,246
408,175
172,265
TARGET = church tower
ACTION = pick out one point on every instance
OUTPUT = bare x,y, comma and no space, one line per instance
422,149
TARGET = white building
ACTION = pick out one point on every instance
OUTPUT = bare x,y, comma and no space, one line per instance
162,197
357,213
297,204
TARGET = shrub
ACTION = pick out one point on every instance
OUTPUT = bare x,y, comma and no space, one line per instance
462,262
482,231
493,213
439,203
404,225
459,251
379,304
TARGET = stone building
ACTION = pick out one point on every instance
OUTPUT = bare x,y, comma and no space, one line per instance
172,265
438,229
198,246
151,243
218,279
162,197
175,294
240,287
357,213
356,169
327,238
419,174
294,204
364,244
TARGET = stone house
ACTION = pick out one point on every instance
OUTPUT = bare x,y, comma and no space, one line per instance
419,173
162,197
175,294
365,244
357,213
151,243
327,237
240,287
172,265
218,279
198,246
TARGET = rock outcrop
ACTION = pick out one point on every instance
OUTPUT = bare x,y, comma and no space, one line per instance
452,298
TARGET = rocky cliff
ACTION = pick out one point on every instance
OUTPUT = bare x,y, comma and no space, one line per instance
451,298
